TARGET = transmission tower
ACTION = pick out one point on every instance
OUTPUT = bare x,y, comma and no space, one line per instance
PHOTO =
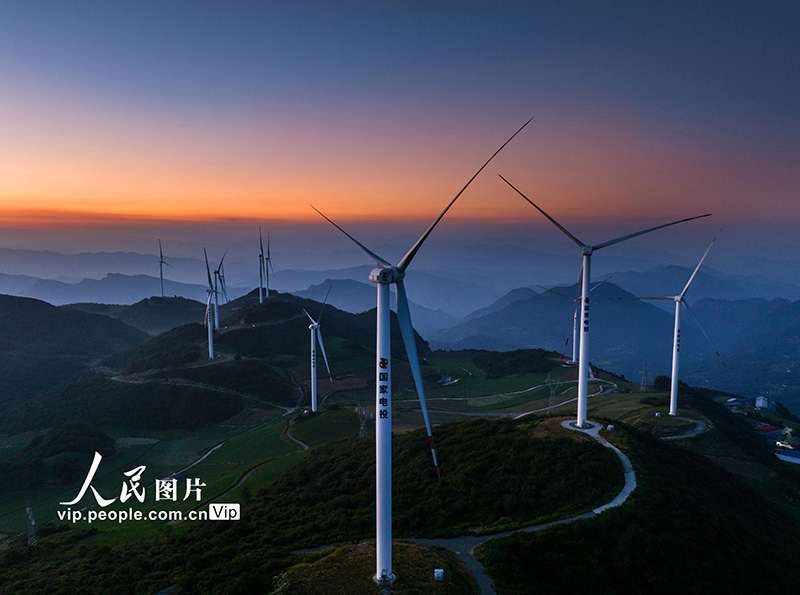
553,386
31,526
364,414
643,385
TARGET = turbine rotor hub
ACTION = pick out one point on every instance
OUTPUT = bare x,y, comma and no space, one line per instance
385,275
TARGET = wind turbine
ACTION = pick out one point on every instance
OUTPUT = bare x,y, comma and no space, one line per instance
384,275
317,333
208,322
260,268
676,337
267,265
587,250
161,263
219,287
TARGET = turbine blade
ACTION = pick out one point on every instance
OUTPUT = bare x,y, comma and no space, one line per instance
325,301
208,270
642,298
223,287
222,259
599,284
403,264
407,330
705,334
324,357
309,316
689,282
555,292
638,233
553,221
381,261
160,253
261,241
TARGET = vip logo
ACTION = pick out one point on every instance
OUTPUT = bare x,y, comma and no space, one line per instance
224,512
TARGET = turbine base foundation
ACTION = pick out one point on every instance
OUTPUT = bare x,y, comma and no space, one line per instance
384,580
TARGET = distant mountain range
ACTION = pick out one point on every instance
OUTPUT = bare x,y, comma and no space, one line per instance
355,296
670,280
114,288
758,339
621,330
436,292
753,320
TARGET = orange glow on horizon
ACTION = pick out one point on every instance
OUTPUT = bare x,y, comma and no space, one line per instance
357,171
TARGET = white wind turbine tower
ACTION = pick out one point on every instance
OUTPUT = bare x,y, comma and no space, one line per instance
384,275
587,250
161,263
676,337
316,333
208,318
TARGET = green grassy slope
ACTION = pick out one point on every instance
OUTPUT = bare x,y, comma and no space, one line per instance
689,527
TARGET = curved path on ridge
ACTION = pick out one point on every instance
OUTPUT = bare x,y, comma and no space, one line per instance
518,415
464,547
210,387
699,428
288,432
248,472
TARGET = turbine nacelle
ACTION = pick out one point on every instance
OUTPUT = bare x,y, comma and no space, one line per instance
587,250
386,275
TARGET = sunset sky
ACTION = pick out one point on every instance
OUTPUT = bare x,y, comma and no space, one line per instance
172,113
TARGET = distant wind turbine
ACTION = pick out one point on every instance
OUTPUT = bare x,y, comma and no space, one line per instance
383,276
260,268
208,318
316,333
575,303
161,263
219,288
267,265
676,337
587,250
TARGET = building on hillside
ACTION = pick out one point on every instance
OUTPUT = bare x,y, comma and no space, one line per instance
790,456
772,433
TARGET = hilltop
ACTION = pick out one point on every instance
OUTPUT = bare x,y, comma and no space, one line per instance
42,346
152,315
